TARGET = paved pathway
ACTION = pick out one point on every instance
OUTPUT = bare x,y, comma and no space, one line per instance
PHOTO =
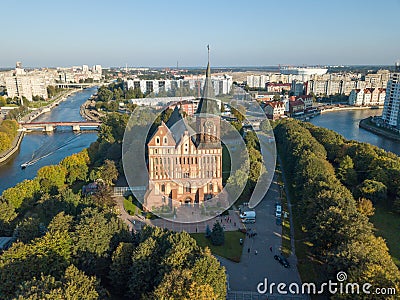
229,223
252,269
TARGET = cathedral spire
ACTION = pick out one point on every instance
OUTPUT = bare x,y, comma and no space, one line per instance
207,104
208,72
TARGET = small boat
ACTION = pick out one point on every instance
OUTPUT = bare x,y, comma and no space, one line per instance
24,165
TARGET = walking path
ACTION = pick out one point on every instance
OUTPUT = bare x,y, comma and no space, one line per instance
254,268
292,240
229,222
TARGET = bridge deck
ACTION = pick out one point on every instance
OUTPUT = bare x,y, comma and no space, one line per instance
72,123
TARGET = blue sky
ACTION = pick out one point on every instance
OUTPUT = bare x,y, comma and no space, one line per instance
160,33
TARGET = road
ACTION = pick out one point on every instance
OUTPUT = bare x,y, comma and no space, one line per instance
252,269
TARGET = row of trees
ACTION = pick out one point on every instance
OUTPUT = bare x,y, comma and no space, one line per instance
246,177
53,90
17,112
368,171
117,91
8,131
339,233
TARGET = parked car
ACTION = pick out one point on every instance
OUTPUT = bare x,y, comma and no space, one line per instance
278,221
278,211
282,260
248,220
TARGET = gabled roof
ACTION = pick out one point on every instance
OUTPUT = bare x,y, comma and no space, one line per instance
178,125
275,104
296,102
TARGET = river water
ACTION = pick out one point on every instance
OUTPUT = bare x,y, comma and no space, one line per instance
345,122
51,148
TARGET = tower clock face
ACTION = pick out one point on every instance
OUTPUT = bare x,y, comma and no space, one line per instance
209,124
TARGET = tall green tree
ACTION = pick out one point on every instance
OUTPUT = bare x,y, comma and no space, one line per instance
217,235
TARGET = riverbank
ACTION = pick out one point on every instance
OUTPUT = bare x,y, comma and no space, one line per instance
339,108
368,125
38,112
88,111
7,154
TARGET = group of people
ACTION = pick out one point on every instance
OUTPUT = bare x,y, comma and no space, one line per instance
255,251
227,219
250,233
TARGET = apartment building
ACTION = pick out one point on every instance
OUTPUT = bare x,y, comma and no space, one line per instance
390,114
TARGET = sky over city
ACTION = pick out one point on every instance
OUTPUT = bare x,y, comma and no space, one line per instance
160,33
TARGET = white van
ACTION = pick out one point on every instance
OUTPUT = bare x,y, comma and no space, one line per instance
248,214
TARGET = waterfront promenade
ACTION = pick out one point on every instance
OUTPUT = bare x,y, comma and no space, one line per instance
5,155
368,125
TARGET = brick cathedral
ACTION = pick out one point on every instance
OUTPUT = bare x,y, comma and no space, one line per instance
185,165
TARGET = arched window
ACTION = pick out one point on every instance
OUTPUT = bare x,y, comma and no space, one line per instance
157,140
187,187
163,188
210,187
165,140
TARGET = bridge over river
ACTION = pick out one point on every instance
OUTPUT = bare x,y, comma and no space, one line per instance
51,126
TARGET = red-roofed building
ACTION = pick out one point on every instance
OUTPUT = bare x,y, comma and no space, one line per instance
274,110
307,99
189,107
277,87
296,107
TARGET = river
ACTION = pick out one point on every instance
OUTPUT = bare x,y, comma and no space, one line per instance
51,148
345,122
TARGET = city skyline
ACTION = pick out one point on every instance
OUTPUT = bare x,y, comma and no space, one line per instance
159,34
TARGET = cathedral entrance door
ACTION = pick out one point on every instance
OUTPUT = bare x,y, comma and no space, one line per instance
188,201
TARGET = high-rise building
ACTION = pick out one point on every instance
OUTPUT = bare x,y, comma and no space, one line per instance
85,68
97,69
22,84
26,86
391,115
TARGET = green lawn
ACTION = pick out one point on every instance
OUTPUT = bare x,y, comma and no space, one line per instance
387,225
231,249
131,208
